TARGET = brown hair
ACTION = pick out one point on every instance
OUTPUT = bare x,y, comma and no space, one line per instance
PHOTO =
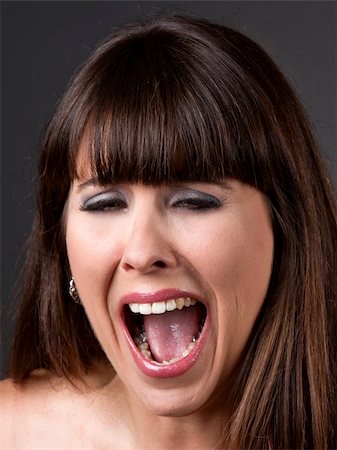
180,98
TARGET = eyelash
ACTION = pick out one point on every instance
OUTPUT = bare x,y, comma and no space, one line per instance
189,203
103,204
197,204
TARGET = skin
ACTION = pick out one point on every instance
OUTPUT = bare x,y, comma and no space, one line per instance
147,239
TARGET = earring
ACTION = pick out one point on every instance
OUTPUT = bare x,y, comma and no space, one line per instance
73,291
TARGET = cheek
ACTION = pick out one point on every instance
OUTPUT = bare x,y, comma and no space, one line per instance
248,263
234,256
93,253
93,258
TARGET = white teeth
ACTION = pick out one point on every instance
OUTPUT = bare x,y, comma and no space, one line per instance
173,360
158,308
147,354
145,308
134,307
170,305
161,307
144,348
192,345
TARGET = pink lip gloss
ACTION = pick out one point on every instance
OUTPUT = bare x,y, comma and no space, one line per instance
153,368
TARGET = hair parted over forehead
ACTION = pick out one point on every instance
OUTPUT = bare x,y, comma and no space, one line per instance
182,99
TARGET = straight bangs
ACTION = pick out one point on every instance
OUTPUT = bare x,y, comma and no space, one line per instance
155,111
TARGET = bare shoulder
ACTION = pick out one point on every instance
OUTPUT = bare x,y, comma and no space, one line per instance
7,401
46,411
8,393
30,392
33,405
7,389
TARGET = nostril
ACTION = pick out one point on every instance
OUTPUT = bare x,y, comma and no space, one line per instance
127,267
144,267
160,264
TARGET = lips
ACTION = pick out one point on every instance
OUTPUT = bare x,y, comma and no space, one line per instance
165,330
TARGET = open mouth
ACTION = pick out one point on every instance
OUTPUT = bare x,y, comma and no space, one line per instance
167,331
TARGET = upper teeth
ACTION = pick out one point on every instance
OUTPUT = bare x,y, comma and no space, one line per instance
161,307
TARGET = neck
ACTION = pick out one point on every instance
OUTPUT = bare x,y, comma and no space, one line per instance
192,432
202,429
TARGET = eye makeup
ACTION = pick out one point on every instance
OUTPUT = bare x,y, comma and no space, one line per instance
194,200
201,197
105,201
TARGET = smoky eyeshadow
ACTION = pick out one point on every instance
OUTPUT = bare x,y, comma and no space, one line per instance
111,198
195,198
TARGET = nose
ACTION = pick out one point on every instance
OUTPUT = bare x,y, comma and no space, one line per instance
148,247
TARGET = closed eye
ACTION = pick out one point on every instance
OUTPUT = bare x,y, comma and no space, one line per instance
105,201
197,201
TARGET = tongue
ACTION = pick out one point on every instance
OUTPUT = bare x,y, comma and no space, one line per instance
169,334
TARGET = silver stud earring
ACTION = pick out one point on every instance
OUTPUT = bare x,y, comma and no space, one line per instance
73,291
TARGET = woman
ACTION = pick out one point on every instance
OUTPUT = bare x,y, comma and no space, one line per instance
181,283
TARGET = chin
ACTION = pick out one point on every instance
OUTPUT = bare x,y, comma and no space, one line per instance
168,404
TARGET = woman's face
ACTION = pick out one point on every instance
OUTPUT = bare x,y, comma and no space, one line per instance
194,259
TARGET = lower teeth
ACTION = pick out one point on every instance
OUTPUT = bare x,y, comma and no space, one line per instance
144,348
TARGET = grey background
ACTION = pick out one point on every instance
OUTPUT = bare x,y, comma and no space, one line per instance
43,42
